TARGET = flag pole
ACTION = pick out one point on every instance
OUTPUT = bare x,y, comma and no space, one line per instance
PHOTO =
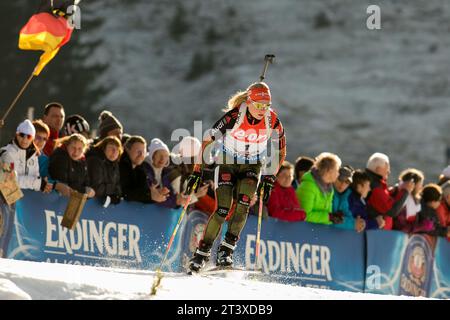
2,120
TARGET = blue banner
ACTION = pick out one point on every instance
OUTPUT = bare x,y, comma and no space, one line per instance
295,253
440,280
412,265
130,234
135,235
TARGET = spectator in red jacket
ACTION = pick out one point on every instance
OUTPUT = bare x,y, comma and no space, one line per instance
283,203
381,205
53,117
444,208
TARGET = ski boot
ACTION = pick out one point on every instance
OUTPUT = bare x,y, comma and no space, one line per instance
200,257
225,251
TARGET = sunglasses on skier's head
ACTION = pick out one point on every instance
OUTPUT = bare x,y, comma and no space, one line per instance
260,105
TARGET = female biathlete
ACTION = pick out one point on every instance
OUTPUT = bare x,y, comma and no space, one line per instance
242,136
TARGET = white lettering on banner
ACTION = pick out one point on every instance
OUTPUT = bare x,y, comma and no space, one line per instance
50,228
90,236
112,250
304,259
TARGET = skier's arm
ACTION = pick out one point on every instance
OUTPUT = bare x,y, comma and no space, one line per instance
281,139
218,130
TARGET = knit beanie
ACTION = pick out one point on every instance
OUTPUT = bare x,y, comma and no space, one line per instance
155,145
75,124
26,127
107,123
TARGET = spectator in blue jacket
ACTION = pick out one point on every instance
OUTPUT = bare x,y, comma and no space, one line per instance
360,188
40,139
341,211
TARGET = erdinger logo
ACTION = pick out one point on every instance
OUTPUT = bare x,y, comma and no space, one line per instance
416,267
416,264
196,236
245,198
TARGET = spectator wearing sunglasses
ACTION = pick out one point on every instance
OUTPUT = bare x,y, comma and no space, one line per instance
40,139
23,155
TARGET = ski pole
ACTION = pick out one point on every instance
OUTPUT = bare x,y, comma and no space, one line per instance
158,271
267,59
258,233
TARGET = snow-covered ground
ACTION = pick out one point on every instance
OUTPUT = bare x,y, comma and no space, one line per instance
42,281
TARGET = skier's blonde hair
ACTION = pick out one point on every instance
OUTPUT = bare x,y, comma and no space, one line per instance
241,96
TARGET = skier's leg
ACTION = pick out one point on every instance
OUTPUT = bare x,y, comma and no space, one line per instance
224,196
246,188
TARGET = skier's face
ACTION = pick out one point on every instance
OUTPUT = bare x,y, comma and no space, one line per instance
258,109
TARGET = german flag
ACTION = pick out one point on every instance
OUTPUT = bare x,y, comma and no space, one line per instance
45,32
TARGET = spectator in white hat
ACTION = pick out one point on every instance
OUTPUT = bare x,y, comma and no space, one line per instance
23,155
183,157
155,167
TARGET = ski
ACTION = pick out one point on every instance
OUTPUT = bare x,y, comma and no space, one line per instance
218,270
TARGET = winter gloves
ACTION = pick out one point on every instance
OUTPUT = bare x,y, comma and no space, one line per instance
337,217
193,182
266,185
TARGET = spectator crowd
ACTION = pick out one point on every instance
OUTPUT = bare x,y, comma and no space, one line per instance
58,154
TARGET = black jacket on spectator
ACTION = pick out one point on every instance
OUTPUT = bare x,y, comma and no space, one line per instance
133,181
63,169
104,175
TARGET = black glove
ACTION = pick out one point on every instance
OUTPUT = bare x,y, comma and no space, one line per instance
337,217
115,199
193,182
266,185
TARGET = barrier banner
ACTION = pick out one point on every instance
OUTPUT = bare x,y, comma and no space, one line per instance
131,234
134,235
440,280
402,264
294,253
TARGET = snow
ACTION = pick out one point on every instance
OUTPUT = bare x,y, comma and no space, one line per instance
23,280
